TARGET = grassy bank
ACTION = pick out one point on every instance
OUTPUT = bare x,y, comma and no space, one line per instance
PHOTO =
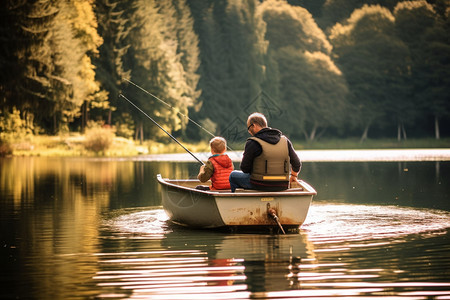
75,145
373,144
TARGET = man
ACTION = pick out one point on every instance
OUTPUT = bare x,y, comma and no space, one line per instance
269,161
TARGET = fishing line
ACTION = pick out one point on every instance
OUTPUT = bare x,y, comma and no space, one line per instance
160,127
167,104
173,108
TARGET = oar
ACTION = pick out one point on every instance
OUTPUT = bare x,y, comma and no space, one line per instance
160,127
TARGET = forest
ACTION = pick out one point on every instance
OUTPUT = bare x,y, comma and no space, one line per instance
316,68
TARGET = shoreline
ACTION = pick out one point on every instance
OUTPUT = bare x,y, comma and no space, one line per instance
366,155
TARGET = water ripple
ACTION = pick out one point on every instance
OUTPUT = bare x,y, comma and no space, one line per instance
170,275
343,251
335,223
138,222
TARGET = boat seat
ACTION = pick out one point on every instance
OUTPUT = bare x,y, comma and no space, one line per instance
241,190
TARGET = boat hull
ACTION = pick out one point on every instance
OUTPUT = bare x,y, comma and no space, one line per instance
242,210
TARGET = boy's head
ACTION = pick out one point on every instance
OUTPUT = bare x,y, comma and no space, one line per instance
218,145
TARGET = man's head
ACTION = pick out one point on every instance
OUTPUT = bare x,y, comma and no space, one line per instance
218,145
255,122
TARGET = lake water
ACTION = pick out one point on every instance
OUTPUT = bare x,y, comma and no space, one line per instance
94,228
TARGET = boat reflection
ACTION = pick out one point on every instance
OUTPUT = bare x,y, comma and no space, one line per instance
331,257
195,264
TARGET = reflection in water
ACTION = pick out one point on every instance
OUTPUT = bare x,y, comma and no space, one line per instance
411,184
94,228
332,257
198,264
170,274
50,210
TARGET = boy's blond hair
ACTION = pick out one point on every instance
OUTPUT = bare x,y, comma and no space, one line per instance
218,144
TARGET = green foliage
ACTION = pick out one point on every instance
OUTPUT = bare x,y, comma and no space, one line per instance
49,47
98,139
426,34
374,61
233,54
156,59
337,11
312,89
334,67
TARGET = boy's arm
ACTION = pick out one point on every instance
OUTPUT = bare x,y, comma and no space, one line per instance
206,172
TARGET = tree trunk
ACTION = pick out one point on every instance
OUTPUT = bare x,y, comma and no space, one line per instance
84,116
436,128
312,135
83,120
365,133
139,133
404,131
401,132
305,133
54,123
142,133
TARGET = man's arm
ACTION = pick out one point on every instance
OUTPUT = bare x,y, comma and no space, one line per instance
294,159
252,149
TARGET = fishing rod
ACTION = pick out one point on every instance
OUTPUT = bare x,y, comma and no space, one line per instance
160,127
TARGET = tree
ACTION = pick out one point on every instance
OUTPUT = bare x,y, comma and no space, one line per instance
337,11
25,58
373,60
232,57
188,49
312,89
154,63
114,27
74,40
427,36
51,43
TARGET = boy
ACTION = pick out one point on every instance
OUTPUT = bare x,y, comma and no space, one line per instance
218,167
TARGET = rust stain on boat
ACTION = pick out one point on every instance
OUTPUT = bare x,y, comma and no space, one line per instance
261,221
259,217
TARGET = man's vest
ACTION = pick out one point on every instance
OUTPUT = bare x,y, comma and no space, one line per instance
273,164
222,169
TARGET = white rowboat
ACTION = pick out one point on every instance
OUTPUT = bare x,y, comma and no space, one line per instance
244,210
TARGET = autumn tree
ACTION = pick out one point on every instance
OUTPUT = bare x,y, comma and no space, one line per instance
27,69
51,43
74,40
